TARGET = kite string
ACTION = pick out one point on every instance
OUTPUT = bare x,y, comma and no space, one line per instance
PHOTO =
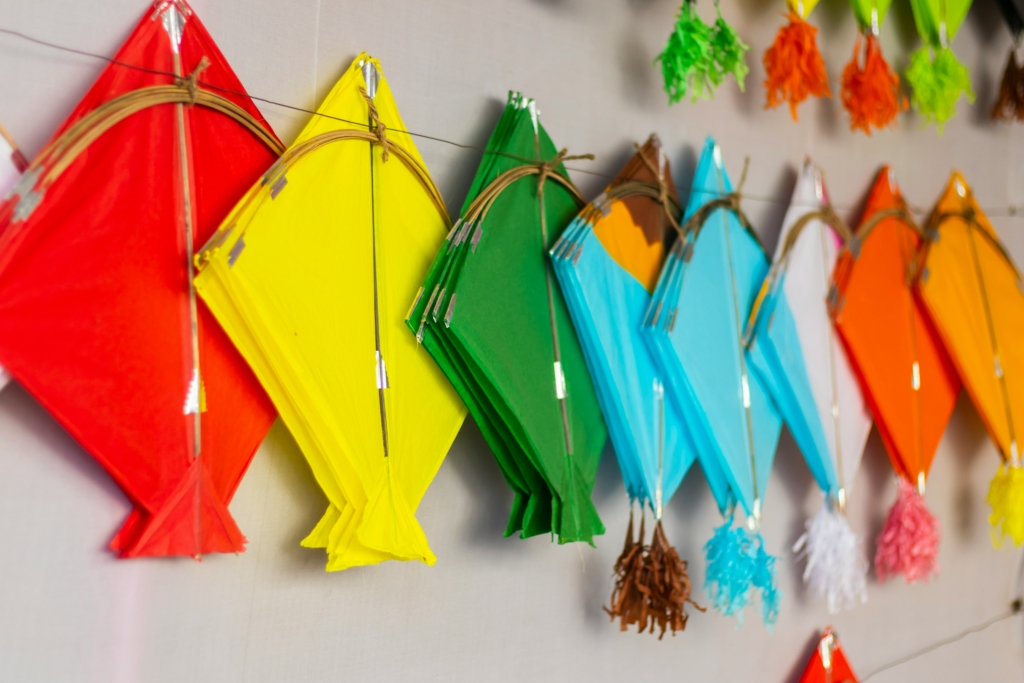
1015,609
1012,211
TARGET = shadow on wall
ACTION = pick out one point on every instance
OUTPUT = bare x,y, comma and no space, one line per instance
459,176
794,477
965,437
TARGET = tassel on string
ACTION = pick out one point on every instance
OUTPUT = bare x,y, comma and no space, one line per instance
937,83
794,67
686,61
730,570
765,580
1010,103
871,93
909,542
836,571
670,585
629,596
1006,496
729,52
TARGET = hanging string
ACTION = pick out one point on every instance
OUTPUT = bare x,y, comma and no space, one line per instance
1015,609
1012,211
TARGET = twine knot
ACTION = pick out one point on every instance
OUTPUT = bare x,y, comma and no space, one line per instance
548,167
377,126
191,82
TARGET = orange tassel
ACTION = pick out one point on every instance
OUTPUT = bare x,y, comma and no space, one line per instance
871,93
794,67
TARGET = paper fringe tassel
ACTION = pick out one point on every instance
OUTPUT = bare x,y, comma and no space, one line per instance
1010,104
936,84
794,67
736,562
836,570
1006,496
651,585
909,542
729,53
698,57
871,93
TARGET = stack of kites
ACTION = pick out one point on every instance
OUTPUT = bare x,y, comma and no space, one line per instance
975,296
311,276
795,349
607,262
909,383
491,314
98,316
694,327
12,165
828,663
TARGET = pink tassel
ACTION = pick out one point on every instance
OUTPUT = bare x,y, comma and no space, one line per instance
909,542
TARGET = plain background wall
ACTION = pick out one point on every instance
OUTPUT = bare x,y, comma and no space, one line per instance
495,609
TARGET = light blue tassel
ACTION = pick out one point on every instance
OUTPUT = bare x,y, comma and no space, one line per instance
765,580
730,570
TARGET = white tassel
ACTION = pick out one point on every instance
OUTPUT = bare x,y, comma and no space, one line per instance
836,568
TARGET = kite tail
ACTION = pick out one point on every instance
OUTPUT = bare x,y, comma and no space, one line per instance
388,525
793,66
335,532
1010,103
909,542
1006,496
765,580
937,84
320,536
730,569
577,516
191,521
670,583
628,601
836,571
871,93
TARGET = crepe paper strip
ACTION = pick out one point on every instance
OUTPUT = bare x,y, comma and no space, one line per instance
828,663
1006,496
99,320
729,52
871,92
937,83
737,563
794,68
909,541
686,62
836,570
1009,104
975,297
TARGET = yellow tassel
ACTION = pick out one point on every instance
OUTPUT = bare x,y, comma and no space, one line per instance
1006,496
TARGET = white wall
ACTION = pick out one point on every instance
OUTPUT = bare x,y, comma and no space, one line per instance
492,609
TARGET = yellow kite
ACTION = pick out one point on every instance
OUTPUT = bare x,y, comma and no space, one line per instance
311,276
975,296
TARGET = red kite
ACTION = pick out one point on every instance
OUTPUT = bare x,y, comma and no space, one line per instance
98,317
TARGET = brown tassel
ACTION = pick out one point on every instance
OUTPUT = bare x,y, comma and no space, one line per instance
670,585
651,585
1010,104
628,599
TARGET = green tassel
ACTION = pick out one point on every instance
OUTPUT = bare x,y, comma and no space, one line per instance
686,63
728,52
937,84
